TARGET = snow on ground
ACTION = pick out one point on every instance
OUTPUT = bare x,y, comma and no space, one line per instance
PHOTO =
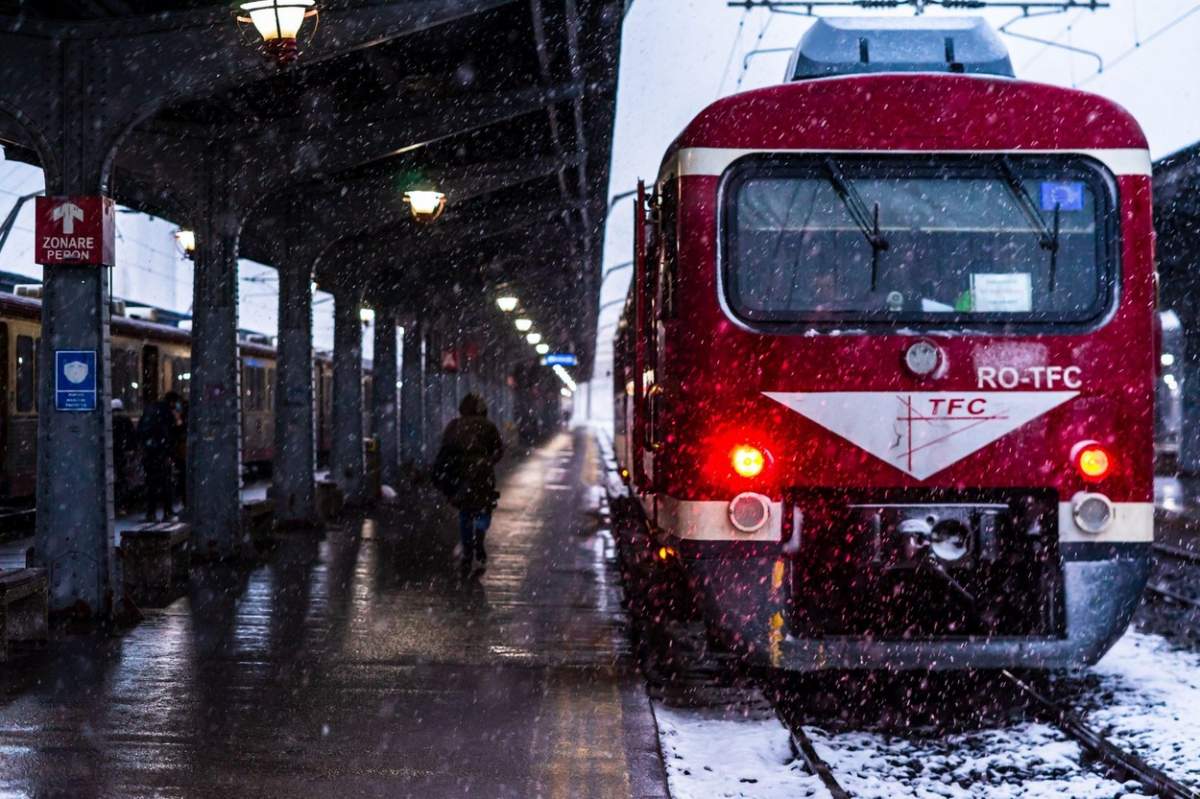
1148,700
1145,694
1029,761
710,755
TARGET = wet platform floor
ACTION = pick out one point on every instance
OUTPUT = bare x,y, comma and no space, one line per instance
359,664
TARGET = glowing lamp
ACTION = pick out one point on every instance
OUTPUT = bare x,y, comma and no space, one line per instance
278,22
523,325
367,315
566,392
534,338
1092,460
187,241
507,303
426,204
747,461
542,349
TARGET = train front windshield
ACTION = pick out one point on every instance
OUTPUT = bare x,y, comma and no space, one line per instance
918,239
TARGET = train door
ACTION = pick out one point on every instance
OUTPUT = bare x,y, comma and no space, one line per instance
642,370
149,375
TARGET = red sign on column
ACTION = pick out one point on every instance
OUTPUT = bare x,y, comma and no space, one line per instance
75,231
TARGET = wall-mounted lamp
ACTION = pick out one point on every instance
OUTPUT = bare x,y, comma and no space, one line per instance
186,239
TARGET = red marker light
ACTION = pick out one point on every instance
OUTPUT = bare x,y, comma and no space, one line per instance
1092,460
747,461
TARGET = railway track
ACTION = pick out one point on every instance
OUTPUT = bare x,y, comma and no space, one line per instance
1164,592
1122,764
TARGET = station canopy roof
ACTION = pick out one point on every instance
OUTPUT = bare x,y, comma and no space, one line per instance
504,105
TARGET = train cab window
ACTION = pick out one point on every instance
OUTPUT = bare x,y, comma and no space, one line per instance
918,239
26,374
670,250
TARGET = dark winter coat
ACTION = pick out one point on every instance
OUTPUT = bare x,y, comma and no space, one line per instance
464,469
155,429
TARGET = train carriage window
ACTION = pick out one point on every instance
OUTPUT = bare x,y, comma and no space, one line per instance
253,384
126,385
26,355
918,239
181,376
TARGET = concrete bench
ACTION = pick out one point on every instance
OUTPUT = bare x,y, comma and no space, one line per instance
24,607
155,556
257,517
329,500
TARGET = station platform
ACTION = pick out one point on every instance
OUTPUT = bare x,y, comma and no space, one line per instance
358,663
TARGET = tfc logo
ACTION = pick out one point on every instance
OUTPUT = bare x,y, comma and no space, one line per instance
921,432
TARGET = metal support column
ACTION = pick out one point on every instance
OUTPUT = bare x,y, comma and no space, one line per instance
74,532
215,409
412,427
346,457
295,445
383,395
433,394
74,450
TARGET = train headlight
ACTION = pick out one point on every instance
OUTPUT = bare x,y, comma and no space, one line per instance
747,461
749,512
1093,512
1093,461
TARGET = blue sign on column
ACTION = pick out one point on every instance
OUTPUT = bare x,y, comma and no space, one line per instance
74,380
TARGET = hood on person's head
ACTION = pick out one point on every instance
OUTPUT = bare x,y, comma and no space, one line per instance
472,405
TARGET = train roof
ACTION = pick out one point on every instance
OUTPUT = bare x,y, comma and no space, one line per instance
861,45
911,111
30,308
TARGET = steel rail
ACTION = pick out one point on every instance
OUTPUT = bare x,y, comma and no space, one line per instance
805,749
1173,596
1179,553
1130,765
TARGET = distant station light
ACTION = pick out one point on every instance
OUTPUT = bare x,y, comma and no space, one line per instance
534,338
508,303
278,22
542,348
187,241
524,325
566,392
367,315
426,205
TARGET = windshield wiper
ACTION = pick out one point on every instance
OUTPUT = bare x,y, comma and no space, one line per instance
867,223
1047,236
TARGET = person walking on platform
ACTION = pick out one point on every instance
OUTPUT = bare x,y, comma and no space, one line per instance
465,472
178,447
155,431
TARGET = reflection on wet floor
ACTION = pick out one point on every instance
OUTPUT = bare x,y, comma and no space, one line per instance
360,663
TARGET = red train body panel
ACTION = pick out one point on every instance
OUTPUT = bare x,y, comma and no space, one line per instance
855,443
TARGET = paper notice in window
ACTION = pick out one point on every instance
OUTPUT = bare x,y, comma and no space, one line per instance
1001,293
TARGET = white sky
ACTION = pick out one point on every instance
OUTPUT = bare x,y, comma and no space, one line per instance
678,56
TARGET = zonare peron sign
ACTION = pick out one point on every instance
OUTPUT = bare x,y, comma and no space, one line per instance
75,231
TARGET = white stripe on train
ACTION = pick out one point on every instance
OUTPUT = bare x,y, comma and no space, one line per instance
715,160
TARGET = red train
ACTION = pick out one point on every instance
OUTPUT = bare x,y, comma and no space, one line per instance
885,376
148,359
